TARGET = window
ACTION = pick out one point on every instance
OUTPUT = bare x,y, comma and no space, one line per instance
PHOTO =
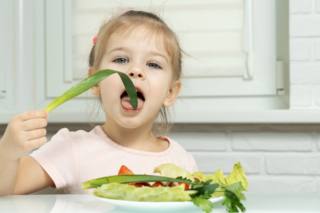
231,43
6,54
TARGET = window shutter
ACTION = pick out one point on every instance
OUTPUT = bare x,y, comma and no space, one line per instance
226,55
213,37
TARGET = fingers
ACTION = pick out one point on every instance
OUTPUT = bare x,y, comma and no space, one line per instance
33,124
36,134
25,132
33,115
36,143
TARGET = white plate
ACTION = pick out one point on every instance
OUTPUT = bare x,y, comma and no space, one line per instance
154,206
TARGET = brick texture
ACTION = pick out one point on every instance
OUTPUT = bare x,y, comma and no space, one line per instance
272,142
304,54
293,164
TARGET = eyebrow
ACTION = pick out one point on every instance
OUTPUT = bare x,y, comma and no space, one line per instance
159,54
118,49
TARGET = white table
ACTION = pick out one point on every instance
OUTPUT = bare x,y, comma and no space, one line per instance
63,203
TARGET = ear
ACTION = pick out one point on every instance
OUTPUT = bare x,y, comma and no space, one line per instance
172,93
94,90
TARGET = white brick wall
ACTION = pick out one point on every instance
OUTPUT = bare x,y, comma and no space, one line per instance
284,160
304,54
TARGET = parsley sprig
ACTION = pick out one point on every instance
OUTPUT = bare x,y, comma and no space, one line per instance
233,195
204,191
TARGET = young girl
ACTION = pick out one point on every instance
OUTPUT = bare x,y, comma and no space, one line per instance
139,44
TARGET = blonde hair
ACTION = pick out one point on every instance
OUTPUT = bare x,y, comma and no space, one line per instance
128,21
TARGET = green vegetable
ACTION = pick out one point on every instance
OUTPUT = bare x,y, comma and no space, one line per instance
204,191
130,179
203,203
237,175
92,81
232,202
130,192
171,170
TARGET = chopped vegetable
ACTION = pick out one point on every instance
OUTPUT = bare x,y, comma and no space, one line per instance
92,81
185,185
133,193
124,171
171,170
158,183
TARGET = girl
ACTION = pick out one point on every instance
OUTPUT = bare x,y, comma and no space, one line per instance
139,44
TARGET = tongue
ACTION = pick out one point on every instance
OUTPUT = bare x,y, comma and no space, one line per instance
125,103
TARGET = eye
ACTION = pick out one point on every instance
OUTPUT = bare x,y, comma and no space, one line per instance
120,60
154,65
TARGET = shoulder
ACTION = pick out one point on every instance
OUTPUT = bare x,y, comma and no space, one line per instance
181,153
65,134
174,145
66,140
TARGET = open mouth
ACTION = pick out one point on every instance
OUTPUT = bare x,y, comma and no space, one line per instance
125,100
139,95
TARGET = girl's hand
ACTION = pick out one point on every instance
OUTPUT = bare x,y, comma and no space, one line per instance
24,133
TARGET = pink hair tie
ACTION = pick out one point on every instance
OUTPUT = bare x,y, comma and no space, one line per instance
94,40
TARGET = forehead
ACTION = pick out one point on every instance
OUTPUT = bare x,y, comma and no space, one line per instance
138,36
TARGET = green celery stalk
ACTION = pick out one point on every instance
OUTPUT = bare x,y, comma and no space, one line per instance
94,183
91,81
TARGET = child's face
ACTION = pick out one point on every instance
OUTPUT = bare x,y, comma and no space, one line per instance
142,56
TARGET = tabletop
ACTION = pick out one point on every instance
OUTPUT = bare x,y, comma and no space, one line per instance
73,203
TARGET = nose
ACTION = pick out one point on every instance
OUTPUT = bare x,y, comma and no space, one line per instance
136,73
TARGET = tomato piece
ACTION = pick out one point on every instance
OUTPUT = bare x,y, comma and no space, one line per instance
186,186
140,184
124,171
157,184
171,184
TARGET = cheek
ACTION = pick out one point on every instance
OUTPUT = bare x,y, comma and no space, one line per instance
109,86
160,89
107,64
161,81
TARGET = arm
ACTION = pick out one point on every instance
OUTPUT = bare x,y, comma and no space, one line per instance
29,170
18,173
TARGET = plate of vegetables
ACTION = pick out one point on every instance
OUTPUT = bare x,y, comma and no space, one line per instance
171,189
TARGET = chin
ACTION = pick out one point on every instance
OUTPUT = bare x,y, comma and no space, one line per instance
130,124
131,121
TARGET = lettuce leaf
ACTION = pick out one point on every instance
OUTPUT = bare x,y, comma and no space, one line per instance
132,193
237,175
171,170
